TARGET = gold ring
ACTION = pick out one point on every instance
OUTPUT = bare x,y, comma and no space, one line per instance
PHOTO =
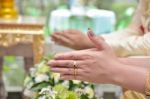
75,73
75,64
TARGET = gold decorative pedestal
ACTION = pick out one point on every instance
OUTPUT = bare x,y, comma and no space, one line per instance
23,37
8,9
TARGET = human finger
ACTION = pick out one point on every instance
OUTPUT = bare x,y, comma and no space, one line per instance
68,71
74,55
97,41
65,63
61,40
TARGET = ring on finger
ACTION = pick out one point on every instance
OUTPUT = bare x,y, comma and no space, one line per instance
75,73
75,64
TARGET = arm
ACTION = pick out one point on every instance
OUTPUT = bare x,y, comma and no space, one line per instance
133,44
132,77
113,39
102,66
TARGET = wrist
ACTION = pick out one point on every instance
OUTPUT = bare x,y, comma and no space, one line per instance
130,77
88,44
124,60
116,72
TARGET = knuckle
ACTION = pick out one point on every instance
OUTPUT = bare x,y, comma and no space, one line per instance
87,57
72,56
69,71
67,64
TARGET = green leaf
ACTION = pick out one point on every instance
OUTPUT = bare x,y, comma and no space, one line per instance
72,95
62,91
27,81
60,88
39,86
84,97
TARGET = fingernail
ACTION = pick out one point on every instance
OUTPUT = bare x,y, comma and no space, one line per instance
50,62
90,32
53,69
58,56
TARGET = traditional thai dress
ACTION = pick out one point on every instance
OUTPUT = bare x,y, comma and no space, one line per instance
135,43
138,41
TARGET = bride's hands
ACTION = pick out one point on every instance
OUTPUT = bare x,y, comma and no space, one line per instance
97,65
73,39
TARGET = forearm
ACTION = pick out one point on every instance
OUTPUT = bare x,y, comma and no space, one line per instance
131,77
114,36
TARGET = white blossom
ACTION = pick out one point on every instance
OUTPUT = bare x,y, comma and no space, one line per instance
76,81
80,91
48,92
56,77
33,72
89,91
41,78
29,93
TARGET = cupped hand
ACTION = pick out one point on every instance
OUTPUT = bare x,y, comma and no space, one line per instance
93,65
73,39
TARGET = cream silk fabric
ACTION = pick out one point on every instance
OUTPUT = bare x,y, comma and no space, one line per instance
135,43
133,95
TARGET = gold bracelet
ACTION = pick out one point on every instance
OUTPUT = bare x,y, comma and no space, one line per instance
147,87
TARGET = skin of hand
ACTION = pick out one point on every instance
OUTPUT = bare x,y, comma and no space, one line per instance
99,66
87,60
74,39
143,62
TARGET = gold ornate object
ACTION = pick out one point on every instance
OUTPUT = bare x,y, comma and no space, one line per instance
38,47
75,69
135,95
147,87
25,30
8,10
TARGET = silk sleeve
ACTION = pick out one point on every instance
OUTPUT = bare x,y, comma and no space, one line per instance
132,46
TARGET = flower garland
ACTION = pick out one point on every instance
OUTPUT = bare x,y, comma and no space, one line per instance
41,83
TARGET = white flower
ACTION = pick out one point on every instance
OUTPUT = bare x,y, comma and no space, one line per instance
33,72
86,82
56,77
76,81
66,84
42,97
49,92
30,85
41,78
89,91
80,91
29,93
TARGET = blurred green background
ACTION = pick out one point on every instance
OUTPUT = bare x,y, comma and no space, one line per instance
123,9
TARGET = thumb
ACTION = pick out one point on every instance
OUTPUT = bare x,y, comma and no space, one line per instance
99,42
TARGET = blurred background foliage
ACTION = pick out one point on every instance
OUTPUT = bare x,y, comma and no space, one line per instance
44,7
124,11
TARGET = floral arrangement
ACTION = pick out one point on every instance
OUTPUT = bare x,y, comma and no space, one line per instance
41,83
